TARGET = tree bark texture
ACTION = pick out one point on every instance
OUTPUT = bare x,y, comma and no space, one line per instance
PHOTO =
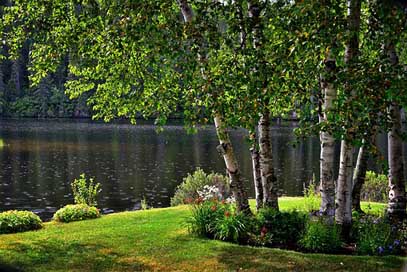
232,167
343,213
254,15
268,179
258,187
397,192
327,141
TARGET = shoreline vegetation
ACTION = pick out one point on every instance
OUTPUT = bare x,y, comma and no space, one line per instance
158,240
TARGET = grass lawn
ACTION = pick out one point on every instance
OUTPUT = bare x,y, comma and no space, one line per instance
157,240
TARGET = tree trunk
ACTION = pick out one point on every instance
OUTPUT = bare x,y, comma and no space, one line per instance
359,176
343,213
232,167
186,10
268,179
397,192
327,141
258,188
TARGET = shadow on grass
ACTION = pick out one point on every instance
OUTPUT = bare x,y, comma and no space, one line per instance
6,268
65,255
262,259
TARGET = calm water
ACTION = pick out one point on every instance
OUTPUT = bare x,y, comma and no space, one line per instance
41,158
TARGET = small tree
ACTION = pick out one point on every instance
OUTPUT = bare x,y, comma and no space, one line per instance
85,191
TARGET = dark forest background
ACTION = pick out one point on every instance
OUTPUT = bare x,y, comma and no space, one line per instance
18,99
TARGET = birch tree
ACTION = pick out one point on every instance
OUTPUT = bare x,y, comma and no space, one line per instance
389,20
267,176
343,213
327,140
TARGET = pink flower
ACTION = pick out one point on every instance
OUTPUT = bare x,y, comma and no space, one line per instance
263,231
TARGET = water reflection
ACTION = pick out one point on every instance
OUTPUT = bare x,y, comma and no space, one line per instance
40,158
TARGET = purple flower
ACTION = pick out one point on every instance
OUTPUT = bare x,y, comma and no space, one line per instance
390,248
396,242
380,249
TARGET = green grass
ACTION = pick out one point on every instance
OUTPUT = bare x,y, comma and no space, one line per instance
298,203
157,240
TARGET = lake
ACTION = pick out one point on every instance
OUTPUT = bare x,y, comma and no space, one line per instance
132,162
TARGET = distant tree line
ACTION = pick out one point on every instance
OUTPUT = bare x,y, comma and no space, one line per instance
47,99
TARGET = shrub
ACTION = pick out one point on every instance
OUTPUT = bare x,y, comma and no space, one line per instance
18,221
76,212
320,236
189,189
279,228
85,191
204,216
232,227
402,235
375,188
375,236
219,220
312,198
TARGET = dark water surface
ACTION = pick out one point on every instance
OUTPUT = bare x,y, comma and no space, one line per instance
41,158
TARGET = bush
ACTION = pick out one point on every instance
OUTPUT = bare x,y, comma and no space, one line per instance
319,236
84,191
219,220
18,221
312,198
189,189
375,188
76,212
279,228
375,236
232,227
204,216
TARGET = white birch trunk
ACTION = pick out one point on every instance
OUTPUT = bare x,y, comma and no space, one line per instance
258,188
327,141
268,179
397,191
343,213
226,149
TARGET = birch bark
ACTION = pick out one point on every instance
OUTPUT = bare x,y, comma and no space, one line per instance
343,213
268,179
327,141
